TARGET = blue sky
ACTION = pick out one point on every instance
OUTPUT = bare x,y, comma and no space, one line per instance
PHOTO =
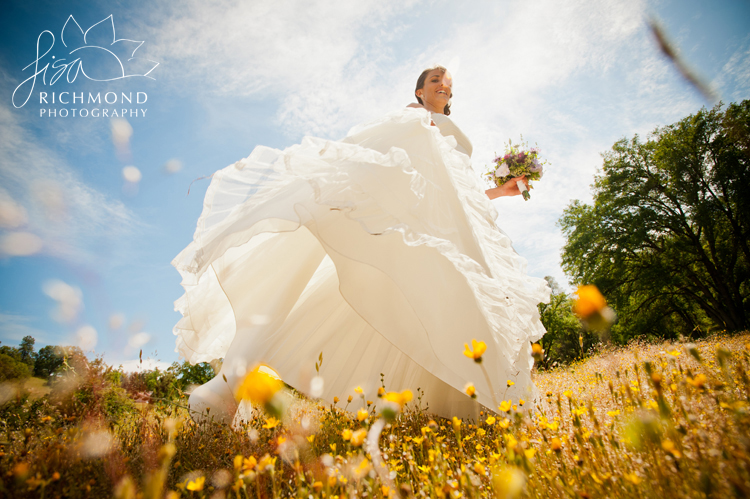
572,76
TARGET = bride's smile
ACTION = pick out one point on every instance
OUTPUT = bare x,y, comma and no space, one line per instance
437,90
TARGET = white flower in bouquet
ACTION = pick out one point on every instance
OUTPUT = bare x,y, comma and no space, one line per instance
502,171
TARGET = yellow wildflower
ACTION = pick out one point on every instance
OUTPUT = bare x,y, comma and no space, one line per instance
588,301
259,387
511,441
456,423
698,381
362,414
490,420
476,351
592,309
556,444
346,434
632,478
399,398
529,453
508,482
266,462
358,437
568,393
358,390
381,391
248,464
317,486
612,414
271,423
504,424
470,390
197,484
479,469
505,406
669,446
536,349
510,383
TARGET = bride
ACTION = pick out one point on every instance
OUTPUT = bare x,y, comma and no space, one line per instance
379,250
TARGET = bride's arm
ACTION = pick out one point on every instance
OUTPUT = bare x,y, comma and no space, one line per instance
509,188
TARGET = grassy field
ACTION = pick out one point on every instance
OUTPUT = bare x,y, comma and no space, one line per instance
650,420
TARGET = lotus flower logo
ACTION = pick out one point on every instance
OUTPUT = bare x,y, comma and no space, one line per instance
96,53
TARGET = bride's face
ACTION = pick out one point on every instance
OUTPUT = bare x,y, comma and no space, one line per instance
436,91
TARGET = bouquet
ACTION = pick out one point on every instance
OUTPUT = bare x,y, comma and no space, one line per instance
518,160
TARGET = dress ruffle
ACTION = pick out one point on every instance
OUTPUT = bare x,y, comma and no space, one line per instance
379,250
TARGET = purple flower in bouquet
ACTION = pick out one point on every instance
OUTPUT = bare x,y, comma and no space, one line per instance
536,167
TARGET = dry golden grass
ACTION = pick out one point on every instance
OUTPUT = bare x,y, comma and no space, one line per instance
648,420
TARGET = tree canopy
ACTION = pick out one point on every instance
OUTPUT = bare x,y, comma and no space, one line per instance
666,239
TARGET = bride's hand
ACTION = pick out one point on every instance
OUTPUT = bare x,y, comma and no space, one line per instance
509,188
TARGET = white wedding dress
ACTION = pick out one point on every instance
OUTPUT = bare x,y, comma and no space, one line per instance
379,250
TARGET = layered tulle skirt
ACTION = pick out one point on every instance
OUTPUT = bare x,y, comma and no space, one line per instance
380,251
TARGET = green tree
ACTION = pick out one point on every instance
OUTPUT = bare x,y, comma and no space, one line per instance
666,239
189,374
565,339
11,368
27,350
12,352
48,360
169,383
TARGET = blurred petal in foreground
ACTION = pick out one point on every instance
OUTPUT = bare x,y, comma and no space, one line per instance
20,244
69,299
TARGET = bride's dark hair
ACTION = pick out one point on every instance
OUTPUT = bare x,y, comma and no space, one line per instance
420,85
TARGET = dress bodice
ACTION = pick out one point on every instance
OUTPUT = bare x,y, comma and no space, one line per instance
448,128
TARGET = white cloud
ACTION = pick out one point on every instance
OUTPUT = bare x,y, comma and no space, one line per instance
86,338
134,365
69,215
137,340
69,299
572,76
734,78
